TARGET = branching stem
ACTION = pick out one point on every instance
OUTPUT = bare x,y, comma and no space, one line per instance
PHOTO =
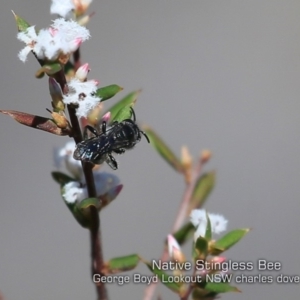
97,261
181,215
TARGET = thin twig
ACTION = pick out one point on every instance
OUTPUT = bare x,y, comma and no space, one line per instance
181,215
182,211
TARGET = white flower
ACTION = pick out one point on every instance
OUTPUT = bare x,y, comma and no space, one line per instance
62,7
70,30
62,37
104,182
218,223
81,93
198,216
73,192
29,37
199,220
66,154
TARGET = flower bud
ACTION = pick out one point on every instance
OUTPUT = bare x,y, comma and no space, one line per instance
60,120
175,252
82,72
56,95
205,156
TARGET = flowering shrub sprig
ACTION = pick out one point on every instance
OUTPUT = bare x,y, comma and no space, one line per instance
86,189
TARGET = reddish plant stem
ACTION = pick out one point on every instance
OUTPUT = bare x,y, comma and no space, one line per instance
76,58
97,261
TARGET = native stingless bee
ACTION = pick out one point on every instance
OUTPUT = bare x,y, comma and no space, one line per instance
118,138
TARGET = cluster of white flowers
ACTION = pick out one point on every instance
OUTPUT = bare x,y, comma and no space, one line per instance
199,219
61,37
76,191
82,94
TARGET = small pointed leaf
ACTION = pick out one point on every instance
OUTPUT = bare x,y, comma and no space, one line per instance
231,238
184,233
123,113
208,233
201,248
61,178
37,122
128,100
121,264
108,92
49,69
200,294
202,189
84,212
22,25
165,278
165,152
221,287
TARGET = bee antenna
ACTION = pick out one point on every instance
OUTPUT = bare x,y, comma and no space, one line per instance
145,135
133,114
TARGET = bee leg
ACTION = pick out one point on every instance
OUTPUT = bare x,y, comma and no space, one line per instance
119,151
91,129
103,127
112,162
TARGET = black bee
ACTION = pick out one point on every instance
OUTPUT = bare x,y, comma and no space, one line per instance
118,138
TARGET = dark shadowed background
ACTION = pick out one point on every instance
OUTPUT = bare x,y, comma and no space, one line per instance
222,75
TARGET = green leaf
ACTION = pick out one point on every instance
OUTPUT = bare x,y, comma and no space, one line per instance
201,294
21,23
220,287
201,248
49,69
84,211
229,239
123,113
108,92
202,189
184,233
121,264
128,100
85,204
61,178
69,67
208,233
164,151
165,278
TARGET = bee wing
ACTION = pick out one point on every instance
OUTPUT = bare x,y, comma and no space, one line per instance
91,150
